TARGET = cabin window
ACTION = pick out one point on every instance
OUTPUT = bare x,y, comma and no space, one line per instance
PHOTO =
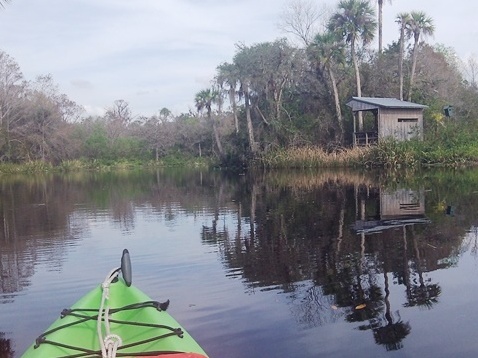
408,120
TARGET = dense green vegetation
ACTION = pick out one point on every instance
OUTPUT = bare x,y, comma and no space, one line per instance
275,103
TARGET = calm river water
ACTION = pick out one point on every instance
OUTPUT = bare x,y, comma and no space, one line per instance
279,264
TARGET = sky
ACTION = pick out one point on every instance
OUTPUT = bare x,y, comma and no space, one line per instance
160,53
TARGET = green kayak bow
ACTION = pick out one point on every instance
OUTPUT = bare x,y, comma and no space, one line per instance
116,320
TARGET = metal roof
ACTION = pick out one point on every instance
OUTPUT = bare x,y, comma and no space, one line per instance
383,103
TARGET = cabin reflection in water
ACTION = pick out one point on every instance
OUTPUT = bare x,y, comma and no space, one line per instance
378,209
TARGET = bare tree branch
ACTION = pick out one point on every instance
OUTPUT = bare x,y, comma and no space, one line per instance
303,19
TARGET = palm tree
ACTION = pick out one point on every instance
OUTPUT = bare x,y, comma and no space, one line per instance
205,99
245,63
355,20
3,3
227,75
164,114
328,50
402,19
419,24
380,23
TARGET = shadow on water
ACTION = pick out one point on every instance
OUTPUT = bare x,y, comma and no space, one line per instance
332,243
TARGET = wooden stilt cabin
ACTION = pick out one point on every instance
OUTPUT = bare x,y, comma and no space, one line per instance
385,117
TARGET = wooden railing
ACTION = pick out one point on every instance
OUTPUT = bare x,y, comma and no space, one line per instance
365,138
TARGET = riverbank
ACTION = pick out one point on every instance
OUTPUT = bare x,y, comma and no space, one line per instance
103,165
387,154
452,150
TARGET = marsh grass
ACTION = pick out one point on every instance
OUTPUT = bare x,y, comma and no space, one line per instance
29,167
103,165
312,157
450,149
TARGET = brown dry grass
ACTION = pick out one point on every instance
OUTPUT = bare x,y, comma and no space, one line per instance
315,157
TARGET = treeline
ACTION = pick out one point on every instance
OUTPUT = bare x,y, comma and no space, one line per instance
270,96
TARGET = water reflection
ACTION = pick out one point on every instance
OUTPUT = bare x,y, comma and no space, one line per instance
43,216
293,235
390,208
35,227
339,246
6,350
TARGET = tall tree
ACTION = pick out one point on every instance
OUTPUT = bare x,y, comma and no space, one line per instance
418,25
118,117
41,128
269,66
327,49
205,99
471,70
228,76
302,18
46,123
241,62
380,24
165,114
12,91
354,21
402,19
265,71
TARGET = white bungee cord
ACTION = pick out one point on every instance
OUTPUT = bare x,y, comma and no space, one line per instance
110,342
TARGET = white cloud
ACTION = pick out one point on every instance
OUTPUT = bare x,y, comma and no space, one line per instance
82,84
94,111
156,54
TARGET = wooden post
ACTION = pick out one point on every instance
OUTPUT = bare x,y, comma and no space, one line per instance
355,129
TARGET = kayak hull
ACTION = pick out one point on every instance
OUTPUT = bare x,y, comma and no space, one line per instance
143,327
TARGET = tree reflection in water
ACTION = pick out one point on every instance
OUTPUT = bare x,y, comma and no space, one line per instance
420,293
294,237
289,232
6,350
390,332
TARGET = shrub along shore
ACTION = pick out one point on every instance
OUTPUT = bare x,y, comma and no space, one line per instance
103,165
388,154
453,145
454,151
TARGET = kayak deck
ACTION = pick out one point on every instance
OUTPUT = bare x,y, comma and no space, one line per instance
138,326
